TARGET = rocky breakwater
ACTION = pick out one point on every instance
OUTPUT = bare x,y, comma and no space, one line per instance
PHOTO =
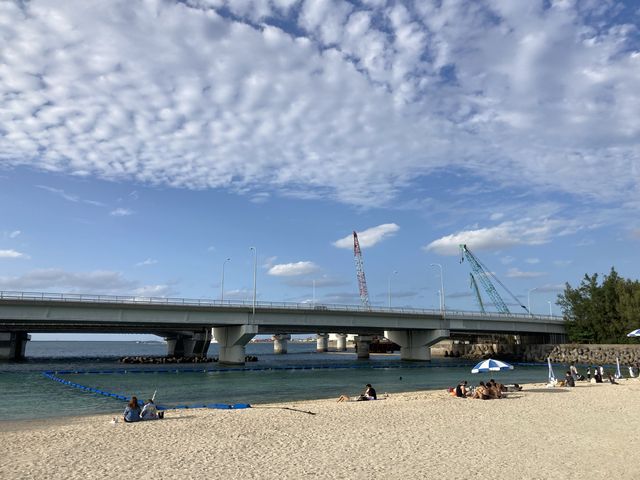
583,354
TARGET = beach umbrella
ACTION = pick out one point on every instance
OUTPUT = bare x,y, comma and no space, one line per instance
552,377
635,333
491,365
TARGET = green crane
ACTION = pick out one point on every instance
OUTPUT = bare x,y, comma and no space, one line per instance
481,273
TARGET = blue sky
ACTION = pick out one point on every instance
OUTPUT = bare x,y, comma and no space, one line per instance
143,143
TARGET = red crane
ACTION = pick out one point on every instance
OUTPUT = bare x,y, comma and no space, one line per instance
362,281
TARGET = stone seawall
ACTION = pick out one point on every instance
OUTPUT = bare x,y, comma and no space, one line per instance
583,354
565,353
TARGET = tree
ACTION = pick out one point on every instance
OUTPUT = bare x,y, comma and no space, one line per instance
601,313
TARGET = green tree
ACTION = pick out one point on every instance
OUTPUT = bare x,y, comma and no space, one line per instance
601,313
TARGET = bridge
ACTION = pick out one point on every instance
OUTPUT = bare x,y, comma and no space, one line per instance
188,324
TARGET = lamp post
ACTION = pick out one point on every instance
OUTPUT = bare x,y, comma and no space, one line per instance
313,283
550,311
255,272
222,282
442,297
529,299
395,272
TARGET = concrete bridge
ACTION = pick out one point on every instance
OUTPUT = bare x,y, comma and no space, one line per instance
188,325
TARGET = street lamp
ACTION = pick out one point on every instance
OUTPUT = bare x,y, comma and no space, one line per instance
529,299
255,272
550,311
313,283
442,297
395,272
222,282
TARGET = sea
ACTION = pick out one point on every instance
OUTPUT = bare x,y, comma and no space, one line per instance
300,374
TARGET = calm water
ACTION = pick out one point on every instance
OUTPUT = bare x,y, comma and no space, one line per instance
25,393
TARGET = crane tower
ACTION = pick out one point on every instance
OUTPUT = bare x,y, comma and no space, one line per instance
362,281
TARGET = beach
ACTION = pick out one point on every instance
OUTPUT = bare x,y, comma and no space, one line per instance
588,432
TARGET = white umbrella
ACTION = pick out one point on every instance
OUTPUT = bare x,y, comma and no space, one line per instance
491,365
635,333
552,377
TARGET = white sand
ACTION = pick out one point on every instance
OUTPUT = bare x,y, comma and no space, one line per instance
589,432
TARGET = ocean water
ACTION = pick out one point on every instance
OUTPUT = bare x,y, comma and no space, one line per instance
301,374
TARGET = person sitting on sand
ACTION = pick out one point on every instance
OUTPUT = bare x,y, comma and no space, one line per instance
494,391
344,398
132,412
613,380
369,394
150,411
569,380
461,390
597,376
500,387
481,392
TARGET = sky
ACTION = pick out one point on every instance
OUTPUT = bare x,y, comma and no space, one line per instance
142,143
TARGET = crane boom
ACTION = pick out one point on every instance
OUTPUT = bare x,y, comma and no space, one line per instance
362,281
483,274
474,285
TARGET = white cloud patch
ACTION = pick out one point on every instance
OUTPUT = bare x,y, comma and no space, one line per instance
293,269
517,273
532,261
526,231
148,261
12,254
369,237
121,212
14,234
355,102
94,282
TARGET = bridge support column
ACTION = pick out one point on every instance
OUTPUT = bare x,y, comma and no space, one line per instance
341,342
280,342
13,345
414,344
322,342
362,346
189,344
232,341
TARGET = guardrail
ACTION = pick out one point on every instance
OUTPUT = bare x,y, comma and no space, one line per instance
243,304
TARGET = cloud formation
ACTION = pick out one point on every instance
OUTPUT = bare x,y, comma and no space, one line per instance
525,231
148,261
293,269
348,100
121,212
517,273
369,237
12,254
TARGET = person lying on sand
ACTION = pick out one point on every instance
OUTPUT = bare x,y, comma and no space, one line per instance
481,392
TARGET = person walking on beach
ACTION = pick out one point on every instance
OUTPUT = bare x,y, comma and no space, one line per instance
132,412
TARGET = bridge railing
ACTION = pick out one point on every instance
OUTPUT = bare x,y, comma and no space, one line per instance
244,304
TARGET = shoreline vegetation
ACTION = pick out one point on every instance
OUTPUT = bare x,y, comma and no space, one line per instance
589,431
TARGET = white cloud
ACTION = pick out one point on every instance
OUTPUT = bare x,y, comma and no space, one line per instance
532,261
451,84
369,237
121,212
103,282
14,234
507,260
526,231
517,273
496,216
12,254
148,261
293,269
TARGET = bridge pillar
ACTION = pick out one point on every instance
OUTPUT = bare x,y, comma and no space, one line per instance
232,341
322,342
414,344
362,346
189,344
341,342
13,345
280,342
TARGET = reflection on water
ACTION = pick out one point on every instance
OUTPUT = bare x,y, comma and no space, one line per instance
25,393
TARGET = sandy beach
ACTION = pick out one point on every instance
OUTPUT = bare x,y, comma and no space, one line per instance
589,432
